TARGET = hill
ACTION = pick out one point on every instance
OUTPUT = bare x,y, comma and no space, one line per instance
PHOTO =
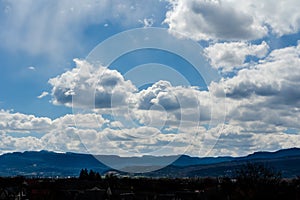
51,164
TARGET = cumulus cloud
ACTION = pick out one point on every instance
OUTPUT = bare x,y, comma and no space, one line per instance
262,105
233,20
12,144
237,141
82,121
161,107
266,92
64,140
18,122
136,141
275,76
90,86
38,133
164,94
230,56
203,20
176,106
282,17
85,136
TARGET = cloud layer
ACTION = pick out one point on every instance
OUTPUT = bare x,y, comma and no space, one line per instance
112,116
262,111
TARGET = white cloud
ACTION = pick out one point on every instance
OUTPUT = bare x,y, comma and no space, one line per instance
239,141
135,141
228,56
282,17
18,122
275,141
64,135
82,121
262,104
13,144
42,95
172,111
277,75
233,20
116,124
38,133
175,106
31,68
88,86
64,140
147,22
91,86
162,107
203,20
164,94
266,92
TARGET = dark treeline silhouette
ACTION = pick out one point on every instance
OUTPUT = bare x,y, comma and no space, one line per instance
258,181
89,175
251,181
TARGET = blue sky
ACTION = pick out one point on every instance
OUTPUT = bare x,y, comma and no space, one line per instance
150,101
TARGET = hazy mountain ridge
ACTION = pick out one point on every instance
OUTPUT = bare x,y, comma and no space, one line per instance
49,164
277,154
45,163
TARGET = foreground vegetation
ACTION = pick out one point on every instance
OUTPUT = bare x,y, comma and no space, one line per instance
250,182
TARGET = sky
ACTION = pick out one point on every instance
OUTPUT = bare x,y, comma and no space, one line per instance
141,77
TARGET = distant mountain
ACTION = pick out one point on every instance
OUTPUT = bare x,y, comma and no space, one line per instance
288,166
47,164
287,161
278,154
185,160
50,164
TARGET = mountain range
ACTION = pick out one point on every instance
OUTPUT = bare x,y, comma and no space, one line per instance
51,164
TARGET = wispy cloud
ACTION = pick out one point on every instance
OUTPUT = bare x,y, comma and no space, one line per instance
43,95
39,28
31,68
